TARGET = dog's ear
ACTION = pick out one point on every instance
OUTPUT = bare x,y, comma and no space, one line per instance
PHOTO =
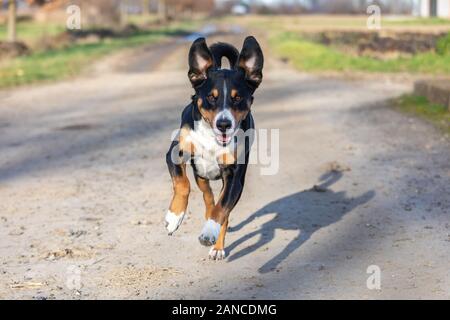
200,60
251,60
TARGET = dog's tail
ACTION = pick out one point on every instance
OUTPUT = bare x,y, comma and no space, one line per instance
220,50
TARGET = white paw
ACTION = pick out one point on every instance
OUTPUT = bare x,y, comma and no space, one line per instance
216,254
210,233
173,221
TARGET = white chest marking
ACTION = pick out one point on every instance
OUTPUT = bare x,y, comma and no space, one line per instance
207,150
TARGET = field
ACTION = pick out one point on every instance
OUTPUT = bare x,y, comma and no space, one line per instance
288,40
285,36
54,64
340,22
307,55
32,32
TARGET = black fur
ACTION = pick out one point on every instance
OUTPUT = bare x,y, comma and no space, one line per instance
220,50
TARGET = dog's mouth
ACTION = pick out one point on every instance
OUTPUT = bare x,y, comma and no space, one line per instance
223,139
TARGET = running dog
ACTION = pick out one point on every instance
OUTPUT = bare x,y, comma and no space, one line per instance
220,108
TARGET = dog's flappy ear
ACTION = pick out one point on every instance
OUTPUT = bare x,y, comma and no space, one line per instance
200,60
251,60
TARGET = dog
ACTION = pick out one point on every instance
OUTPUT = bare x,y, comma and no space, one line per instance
220,107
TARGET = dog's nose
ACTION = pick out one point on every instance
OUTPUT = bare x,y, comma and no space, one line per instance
223,125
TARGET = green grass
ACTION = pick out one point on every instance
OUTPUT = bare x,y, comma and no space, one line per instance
62,63
443,45
420,106
310,56
31,31
56,64
416,22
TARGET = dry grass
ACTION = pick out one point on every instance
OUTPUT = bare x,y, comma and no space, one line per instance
317,23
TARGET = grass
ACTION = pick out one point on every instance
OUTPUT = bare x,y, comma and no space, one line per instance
311,56
31,31
305,54
62,63
57,64
416,22
420,106
305,23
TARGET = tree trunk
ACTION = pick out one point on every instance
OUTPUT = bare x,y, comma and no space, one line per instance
162,10
12,20
124,12
146,7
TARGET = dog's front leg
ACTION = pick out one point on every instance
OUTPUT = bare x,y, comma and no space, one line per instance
217,252
181,189
215,229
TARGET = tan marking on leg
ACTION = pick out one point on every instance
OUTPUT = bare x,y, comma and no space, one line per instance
220,244
181,190
218,213
186,144
211,230
208,196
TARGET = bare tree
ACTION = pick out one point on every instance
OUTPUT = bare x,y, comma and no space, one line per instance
146,7
12,21
162,10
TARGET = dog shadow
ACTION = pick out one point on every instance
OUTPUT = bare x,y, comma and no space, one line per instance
304,212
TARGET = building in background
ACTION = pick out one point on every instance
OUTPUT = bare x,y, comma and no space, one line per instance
240,8
432,8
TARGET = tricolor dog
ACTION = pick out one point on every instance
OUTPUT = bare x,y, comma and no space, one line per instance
220,108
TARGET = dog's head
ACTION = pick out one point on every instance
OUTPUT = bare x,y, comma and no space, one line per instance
224,96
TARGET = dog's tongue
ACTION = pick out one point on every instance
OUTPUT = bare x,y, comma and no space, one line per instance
223,139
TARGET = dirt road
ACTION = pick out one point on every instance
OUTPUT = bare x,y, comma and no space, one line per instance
84,190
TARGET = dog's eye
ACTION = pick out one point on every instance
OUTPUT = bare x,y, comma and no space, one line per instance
237,99
211,98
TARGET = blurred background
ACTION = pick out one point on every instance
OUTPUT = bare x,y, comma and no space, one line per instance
405,36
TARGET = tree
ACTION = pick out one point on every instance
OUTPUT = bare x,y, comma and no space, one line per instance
162,10
146,7
12,21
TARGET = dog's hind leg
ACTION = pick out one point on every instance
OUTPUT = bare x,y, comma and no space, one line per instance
208,195
181,190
